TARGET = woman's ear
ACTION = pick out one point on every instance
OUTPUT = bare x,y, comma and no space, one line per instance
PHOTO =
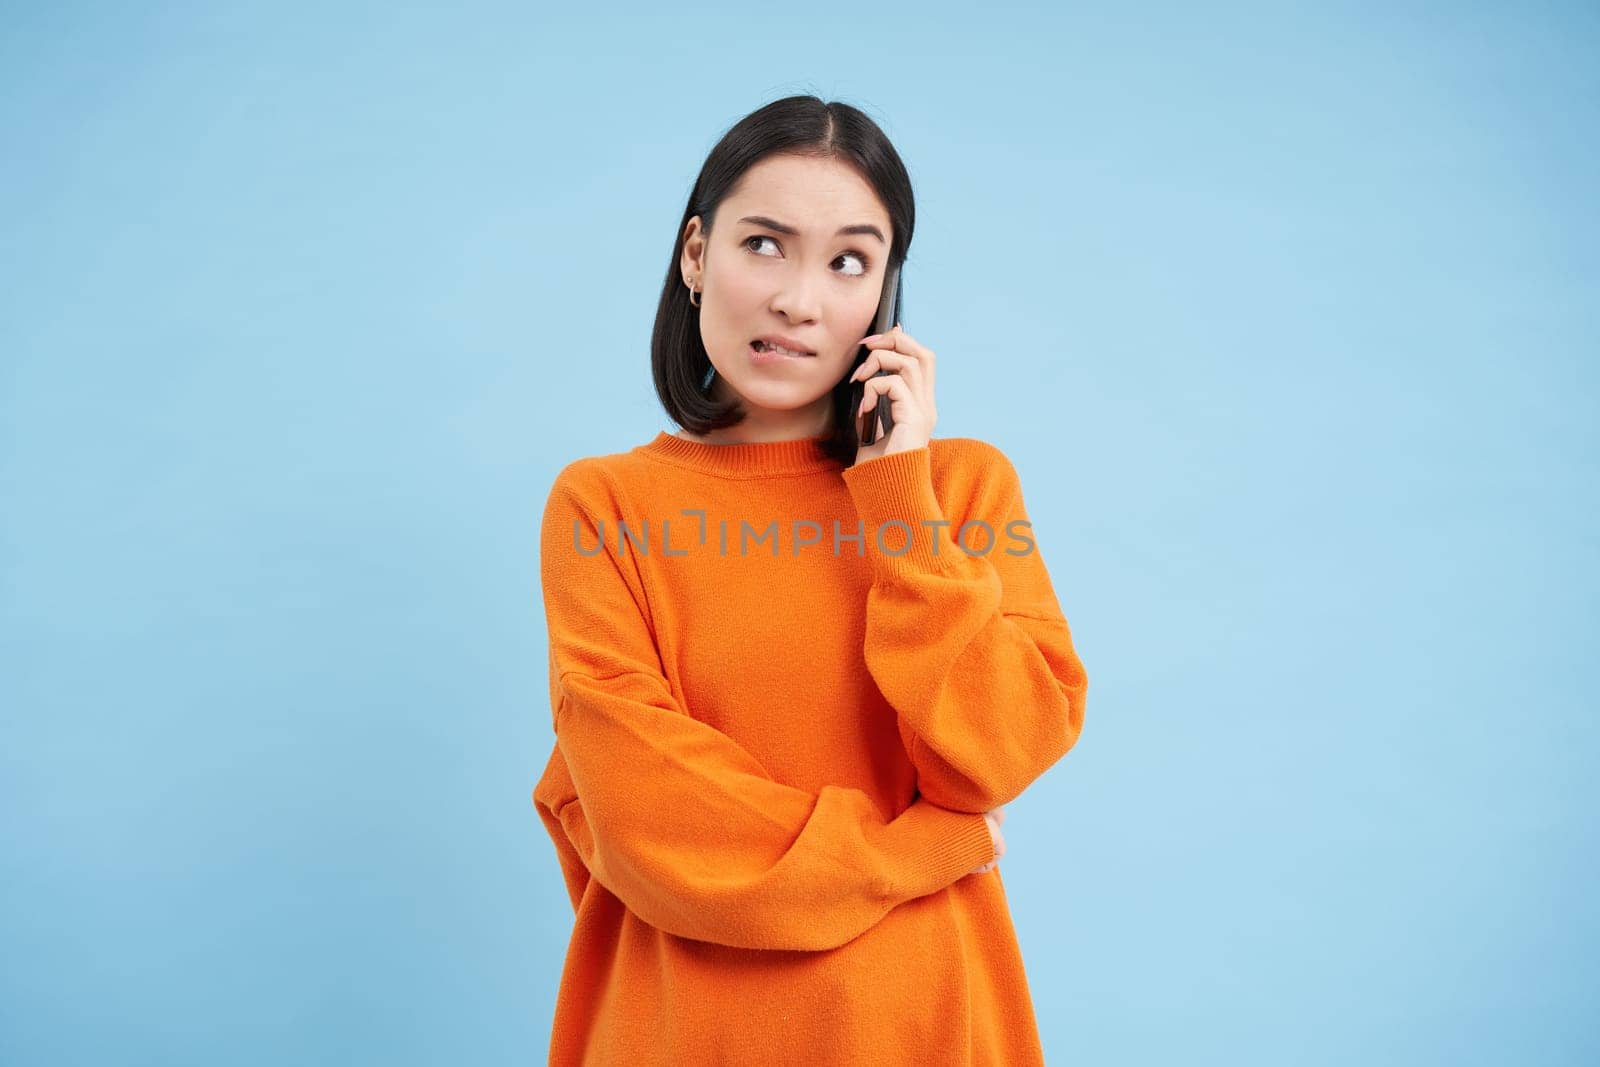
694,249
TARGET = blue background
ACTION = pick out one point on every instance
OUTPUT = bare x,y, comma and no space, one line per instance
1286,315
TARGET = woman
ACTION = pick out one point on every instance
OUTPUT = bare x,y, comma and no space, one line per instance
793,679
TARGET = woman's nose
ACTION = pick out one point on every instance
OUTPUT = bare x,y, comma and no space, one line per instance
798,301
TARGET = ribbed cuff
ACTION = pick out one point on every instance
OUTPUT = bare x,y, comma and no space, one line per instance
895,500
930,847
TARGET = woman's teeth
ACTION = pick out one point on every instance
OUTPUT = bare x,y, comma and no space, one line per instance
762,346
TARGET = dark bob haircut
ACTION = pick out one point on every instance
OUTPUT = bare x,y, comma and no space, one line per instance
796,125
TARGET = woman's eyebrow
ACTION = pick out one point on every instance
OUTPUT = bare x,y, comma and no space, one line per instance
774,224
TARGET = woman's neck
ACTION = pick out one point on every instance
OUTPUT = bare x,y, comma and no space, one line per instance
751,432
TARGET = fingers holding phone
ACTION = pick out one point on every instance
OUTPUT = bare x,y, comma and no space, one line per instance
898,373
880,423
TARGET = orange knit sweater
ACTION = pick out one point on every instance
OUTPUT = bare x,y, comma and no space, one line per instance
777,725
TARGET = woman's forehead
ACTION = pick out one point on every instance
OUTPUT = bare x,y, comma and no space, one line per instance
808,194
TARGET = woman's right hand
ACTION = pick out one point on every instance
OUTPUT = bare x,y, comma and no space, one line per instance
994,817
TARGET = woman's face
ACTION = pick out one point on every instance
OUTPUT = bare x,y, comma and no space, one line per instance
818,287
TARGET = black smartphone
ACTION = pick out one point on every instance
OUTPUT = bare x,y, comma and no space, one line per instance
878,421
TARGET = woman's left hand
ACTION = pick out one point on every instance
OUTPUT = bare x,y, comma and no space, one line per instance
908,391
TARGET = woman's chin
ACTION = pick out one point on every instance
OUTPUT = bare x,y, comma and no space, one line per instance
777,401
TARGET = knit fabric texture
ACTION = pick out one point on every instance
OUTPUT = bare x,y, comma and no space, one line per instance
783,692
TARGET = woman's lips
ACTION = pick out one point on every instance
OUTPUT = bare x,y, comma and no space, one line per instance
759,353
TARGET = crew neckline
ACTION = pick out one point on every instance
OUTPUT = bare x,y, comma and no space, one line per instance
745,459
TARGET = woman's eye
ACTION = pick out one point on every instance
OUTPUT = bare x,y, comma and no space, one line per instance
860,259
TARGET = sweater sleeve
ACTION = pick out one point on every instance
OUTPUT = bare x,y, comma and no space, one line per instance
679,821
967,644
